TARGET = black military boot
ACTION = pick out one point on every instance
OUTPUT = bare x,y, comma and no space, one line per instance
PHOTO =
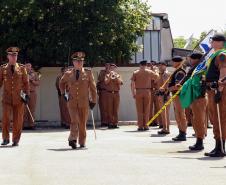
198,145
217,151
15,143
72,144
5,142
180,137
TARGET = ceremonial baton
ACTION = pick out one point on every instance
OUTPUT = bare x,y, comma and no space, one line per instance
94,128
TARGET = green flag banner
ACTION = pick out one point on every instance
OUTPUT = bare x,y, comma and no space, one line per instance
191,90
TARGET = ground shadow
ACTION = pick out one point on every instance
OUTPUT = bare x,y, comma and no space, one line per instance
136,131
188,151
170,141
7,146
158,135
219,167
65,149
210,158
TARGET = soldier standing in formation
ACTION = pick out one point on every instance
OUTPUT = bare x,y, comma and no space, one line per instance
64,113
163,96
14,79
79,89
34,82
140,87
174,86
198,107
113,81
102,93
217,95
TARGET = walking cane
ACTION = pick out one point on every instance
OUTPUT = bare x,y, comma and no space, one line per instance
94,128
29,111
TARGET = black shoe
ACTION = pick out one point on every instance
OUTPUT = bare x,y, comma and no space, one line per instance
72,144
103,125
110,126
146,129
82,146
160,126
115,126
163,132
29,128
5,142
198,145
209,126
15,144
154,124
217,151
140,129
180,137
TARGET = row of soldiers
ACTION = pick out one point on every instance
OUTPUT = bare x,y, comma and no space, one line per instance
78,88
150,84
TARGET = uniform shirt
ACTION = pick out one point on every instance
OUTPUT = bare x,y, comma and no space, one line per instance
113,84
162,78
79,90
34,80
100,84
13,83
143,78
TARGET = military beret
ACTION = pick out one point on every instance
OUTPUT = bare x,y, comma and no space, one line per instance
218,37
162,63
177,59
143,62
79,55
196,55
153,62
13,50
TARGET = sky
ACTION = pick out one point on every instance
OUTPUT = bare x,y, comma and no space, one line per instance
189,17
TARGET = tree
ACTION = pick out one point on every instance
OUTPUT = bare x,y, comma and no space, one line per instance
47,32
179,42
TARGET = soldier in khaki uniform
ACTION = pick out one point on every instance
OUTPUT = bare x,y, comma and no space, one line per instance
34,82
81,94
154,105
140,86
198,107
174,85
102,94
14,79
113,81
216,74
64,113
163,96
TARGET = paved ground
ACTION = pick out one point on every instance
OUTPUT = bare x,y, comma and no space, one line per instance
117,157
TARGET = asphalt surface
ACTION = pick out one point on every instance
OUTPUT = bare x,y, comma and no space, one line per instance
118,157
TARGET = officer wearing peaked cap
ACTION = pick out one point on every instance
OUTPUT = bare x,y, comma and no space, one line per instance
14,79
79,89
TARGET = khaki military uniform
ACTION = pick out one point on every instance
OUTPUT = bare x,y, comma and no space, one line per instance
219,63
64,113
142,80
113,98
34,83
180,116
13,84
102,93
165,119
80,91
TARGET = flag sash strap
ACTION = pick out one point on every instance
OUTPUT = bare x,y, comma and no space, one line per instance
204,66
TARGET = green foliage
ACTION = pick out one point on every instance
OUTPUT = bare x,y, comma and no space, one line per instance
47,32
179,42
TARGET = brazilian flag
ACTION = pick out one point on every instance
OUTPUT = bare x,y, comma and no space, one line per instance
191,89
